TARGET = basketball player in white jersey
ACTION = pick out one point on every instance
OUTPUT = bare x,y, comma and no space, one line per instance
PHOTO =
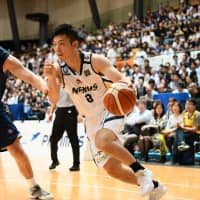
83,77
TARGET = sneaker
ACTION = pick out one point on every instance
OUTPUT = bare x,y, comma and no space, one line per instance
144,178
53,165
183,146
158,192
74,167
36,192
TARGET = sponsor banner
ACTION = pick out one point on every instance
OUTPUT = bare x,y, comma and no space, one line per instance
36,136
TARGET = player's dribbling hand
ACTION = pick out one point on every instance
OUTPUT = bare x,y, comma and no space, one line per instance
49,70
130,84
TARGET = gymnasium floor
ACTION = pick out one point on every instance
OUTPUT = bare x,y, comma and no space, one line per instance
91,183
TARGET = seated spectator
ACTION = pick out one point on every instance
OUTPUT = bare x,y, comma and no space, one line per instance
141,90
189,131
137,74
150,92
198,69
174,118
157,123
136,119
170,104
175,78
194,92
140,56
147,66
161,88
180,88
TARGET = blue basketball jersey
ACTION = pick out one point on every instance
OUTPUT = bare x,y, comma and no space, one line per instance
3,56
8,131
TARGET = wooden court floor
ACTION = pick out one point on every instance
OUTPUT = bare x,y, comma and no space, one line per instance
92,183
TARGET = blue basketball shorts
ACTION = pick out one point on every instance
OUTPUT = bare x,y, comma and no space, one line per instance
8,131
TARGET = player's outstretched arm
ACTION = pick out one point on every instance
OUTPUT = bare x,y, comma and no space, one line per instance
14,66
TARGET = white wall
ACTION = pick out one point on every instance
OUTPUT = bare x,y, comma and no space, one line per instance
60,11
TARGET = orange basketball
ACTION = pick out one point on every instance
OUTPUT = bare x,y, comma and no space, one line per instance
119,99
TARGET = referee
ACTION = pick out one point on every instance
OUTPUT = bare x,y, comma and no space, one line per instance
65,120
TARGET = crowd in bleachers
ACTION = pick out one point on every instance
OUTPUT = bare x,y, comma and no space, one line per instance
29,101
175,133
166,31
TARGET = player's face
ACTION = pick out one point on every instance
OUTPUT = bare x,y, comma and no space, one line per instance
62,46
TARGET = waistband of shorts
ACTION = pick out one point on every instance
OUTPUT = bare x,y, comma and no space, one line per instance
113,118
66,108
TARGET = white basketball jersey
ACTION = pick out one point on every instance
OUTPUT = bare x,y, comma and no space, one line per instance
85,88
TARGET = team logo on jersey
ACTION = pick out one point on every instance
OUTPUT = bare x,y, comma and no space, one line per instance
65,70
87,58
87,72
78,81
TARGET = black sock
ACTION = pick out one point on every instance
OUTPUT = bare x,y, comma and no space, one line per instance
155,183
136,166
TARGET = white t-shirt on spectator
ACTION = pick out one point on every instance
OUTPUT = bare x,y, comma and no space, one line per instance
112,56
198,74
137,117
140,57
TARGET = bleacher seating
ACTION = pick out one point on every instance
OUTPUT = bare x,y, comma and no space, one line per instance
155,156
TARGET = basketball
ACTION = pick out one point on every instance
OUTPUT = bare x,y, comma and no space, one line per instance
119,99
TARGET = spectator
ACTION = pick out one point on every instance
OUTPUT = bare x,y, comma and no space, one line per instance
174,118
137,74
134,123
198,71
170,104
147,66
189,131
175,79
157,124
150,92
180,88
194,92
140,88
112,54
140,57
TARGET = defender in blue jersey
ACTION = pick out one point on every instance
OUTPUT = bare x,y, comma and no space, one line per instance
83,77
9,135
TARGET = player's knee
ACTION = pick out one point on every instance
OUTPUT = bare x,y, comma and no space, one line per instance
15,149
101,141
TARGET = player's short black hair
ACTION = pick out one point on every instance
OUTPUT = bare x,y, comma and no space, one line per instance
67,29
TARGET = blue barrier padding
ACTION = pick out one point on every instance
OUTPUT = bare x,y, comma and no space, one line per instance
163,97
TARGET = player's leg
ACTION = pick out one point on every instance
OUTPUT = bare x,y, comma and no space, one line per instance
108,142
115,169
24,165
9,139
121,172
22,160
